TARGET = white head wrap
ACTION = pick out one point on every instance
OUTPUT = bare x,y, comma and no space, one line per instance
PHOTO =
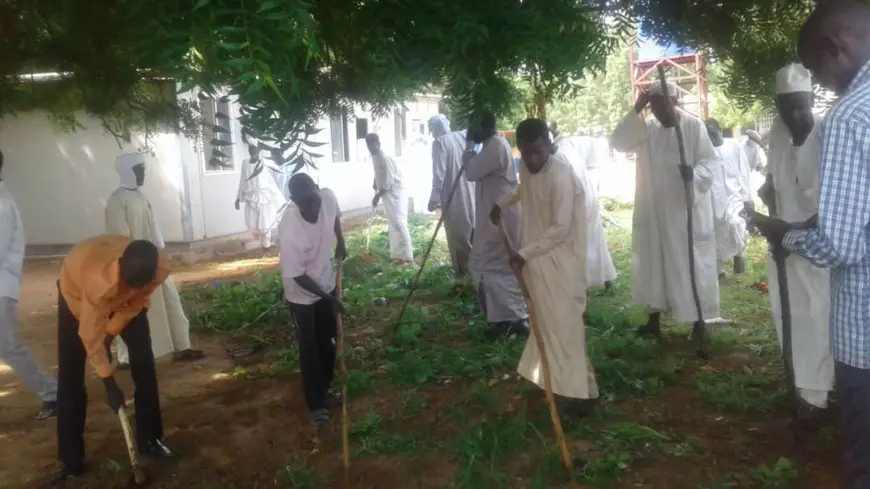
439,125
655,88
124,165
792,79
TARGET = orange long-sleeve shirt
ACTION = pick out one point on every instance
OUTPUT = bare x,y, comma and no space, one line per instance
90,281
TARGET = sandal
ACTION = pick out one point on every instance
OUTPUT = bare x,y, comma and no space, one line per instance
48,411
188,356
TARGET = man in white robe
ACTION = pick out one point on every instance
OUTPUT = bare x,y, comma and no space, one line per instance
600,270
493,172
129,213
447,149
756,153
263,201
731,195
597,158
554,236
661,279
792,189
390,187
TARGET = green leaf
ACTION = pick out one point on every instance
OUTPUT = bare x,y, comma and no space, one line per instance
222,116
314,144
220,129
220,142
269,5
231,29
257,170
255,87
233,46
238,62
200,4
216,153
271,83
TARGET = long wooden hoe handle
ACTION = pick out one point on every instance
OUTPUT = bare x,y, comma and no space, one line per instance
345,446
567,461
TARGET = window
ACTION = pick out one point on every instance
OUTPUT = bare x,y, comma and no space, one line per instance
217,135
338,137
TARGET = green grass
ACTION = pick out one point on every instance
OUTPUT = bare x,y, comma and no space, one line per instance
438,389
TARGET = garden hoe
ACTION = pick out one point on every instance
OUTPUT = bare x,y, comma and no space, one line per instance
139,478
699,329
416,282
339,323
567,461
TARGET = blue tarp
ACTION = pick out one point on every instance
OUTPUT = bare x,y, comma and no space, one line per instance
649,49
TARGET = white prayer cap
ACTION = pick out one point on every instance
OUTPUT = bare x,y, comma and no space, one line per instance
655,88
439,125
792,79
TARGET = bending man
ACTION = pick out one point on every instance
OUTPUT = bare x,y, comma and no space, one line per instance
554,233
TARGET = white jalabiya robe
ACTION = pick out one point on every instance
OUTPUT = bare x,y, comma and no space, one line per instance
554,233
129,213
447,152
263,201
599,263
597,158
495,176
388,179
756,156
795,171
731,189
660,250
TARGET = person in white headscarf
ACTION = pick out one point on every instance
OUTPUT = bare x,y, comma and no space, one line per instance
390,187
732,193
553,251
661,278
447,149
756,152
129,213
263,200
792,190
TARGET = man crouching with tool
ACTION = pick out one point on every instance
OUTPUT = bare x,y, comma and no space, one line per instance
104,290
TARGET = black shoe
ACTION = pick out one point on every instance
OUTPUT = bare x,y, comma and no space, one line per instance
333,399
156,449
63,475
48,411
519,328
579,408
649,331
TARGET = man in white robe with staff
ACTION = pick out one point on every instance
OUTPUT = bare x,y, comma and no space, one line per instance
792,189
553,199
447,149
494,175
661,279
390,187
129,213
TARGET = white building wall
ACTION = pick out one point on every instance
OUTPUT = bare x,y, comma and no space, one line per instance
61,180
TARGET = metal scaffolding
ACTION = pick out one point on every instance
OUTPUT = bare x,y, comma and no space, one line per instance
687,72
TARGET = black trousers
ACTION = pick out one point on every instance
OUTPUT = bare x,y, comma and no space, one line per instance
72,399
316,334
853,398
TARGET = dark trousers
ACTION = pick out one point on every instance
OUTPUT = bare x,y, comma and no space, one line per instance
72,399
853,398
316,333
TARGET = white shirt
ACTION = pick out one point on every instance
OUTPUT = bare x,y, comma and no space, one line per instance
11,245
387,174
306,249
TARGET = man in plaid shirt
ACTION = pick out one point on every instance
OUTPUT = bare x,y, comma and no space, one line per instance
835,45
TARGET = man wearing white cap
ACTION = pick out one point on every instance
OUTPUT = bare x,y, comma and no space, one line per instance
661,279
447,150
792,191
129,213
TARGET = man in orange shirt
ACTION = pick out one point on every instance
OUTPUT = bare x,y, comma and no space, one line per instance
104,288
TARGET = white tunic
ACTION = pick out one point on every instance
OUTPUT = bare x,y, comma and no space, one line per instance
795,171
129,213
388,179
263,202
599,263
731,188
660,251
554,230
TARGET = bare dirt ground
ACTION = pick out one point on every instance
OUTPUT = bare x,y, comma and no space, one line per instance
29,445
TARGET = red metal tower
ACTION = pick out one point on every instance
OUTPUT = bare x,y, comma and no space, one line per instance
688,72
